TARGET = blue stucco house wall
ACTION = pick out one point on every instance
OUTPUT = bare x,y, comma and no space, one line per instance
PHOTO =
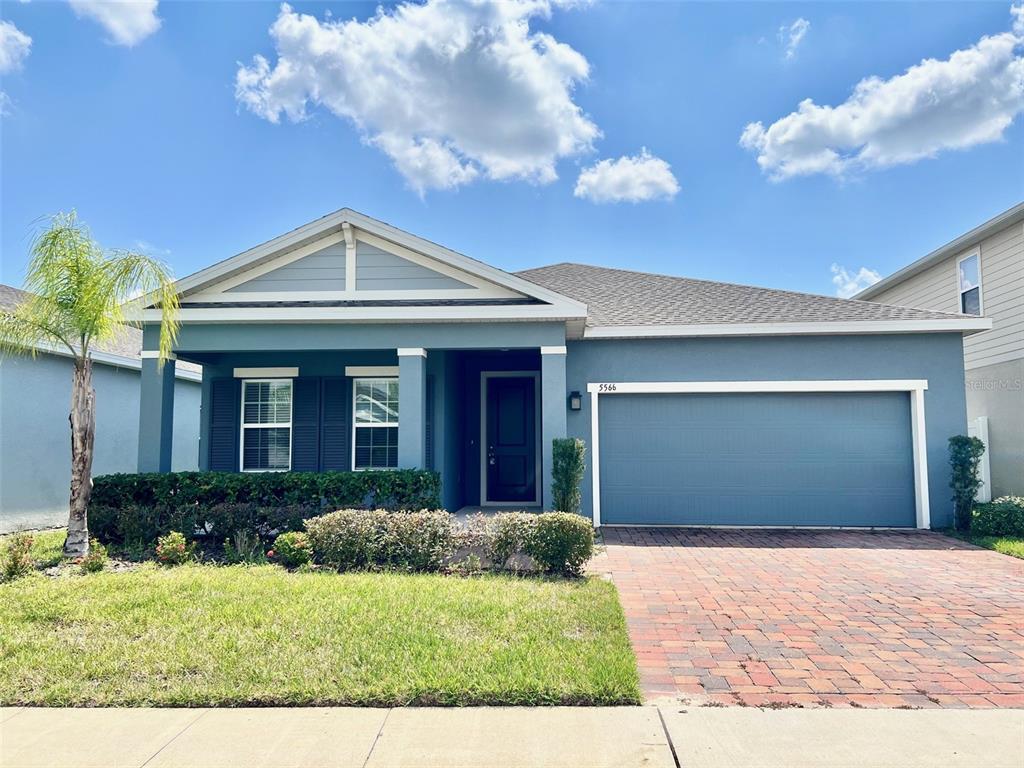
35,441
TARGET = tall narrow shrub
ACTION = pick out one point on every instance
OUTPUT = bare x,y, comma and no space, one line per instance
964,457
567,473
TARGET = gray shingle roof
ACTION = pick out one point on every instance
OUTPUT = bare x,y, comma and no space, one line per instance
128,344
623,297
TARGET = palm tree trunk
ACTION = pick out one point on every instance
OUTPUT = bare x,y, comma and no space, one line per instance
83,431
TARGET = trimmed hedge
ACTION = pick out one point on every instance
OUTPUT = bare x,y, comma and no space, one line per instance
351,539
1002,517
138,526
557,542
561,543
403,489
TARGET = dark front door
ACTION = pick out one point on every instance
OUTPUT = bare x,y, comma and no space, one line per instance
511,439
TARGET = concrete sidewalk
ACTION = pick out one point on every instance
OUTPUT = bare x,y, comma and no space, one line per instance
619,737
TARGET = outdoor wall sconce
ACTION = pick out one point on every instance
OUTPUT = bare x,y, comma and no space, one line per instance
575,401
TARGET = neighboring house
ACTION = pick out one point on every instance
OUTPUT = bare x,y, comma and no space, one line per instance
980,273
35,438
350,344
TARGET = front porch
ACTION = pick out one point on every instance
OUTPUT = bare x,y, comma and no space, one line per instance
303,397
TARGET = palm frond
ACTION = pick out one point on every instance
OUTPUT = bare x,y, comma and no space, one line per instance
79,293
33,323
137,279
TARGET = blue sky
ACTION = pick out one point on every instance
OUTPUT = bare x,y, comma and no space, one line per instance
158,147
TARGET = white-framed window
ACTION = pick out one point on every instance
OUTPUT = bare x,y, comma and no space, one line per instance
968,275
375,423
266,441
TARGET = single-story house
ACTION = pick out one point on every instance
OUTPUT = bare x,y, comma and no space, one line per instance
349,344
980,273
35,438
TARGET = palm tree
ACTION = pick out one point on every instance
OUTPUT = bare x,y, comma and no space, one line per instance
79,295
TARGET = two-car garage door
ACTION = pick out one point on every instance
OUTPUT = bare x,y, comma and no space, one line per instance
764,458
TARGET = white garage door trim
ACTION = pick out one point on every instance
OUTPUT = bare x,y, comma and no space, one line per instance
915,387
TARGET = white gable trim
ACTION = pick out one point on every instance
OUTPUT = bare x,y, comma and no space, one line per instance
200,285
481,289
220,289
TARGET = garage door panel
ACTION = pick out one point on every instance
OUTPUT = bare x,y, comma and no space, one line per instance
726,508
700,473
654,441
757,459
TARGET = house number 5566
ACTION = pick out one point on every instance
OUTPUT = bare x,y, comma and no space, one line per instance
606,387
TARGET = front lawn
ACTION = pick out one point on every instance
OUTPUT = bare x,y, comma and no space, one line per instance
47,546
234,636
1007,545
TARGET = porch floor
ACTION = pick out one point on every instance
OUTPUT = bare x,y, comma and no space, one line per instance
464,513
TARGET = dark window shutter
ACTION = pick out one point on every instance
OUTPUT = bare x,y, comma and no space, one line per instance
429,425
224,426
334,436
305,424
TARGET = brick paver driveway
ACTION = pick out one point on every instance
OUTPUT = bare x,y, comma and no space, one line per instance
820,618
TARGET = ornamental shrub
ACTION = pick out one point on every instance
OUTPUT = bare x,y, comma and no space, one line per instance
568,464
404,489
16,556
352,539
964,457
506,535
1002,517
561,543
96,560
173,549
291,549
136,527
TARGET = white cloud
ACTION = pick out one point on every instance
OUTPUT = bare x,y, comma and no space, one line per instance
129,22
793,35
631,178
450,90
851,283
14,47
968,99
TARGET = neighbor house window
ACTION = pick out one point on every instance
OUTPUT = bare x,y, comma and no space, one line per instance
266,425
969,275
375,421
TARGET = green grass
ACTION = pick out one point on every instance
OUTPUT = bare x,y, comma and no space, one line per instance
1007,545
233,636
48,547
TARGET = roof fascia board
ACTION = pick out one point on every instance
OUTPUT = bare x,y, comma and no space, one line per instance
968,240
117,361
966,325
517,312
